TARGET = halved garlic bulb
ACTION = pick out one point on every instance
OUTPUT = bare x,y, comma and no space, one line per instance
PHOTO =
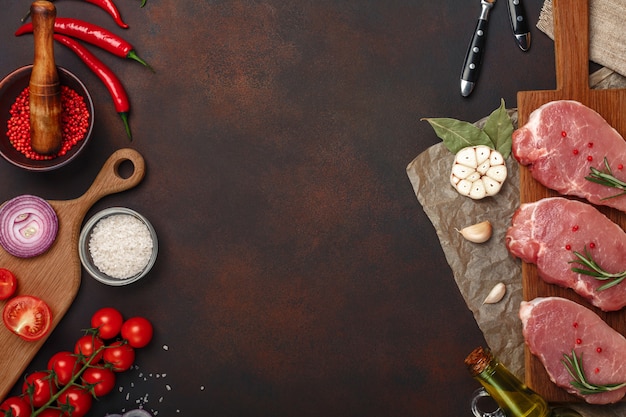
478,172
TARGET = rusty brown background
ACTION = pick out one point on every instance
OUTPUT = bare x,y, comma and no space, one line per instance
298,274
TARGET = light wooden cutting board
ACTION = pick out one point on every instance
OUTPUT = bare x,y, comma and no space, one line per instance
571,26
55,275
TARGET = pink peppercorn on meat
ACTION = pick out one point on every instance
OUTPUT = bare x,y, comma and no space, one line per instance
549,231
560,143
554,327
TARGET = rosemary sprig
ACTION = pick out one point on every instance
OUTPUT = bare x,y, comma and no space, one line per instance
574,367
596,271
607,179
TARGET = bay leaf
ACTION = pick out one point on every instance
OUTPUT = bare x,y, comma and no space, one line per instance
499,128
458,134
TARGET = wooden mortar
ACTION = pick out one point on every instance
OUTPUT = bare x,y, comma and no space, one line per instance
45,87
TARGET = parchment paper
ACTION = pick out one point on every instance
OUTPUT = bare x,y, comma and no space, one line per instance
478,267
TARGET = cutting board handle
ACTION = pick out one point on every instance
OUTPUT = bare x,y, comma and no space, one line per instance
110,181
571,45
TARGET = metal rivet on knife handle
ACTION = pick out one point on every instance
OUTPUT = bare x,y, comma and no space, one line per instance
519,24
471,65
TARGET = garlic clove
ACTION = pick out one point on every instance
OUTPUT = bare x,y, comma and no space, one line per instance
462,171
495,158
478,190
492,187
477,233
497,172
482,154
474,176
467,157
496,294
483,168
464,187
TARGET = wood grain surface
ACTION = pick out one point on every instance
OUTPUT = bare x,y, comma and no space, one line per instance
571,22
55,276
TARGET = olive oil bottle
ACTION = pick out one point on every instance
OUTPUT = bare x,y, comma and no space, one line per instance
513,397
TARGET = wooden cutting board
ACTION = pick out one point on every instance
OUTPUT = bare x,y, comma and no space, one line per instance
571,32
55,275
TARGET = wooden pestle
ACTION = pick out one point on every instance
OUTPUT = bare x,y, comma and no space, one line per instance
45,87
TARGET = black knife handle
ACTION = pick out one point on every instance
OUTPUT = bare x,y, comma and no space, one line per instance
474,55
518,17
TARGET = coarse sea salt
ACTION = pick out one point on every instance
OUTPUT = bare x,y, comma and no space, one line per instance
120,246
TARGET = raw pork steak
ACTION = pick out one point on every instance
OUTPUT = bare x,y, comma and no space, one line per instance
553,327
549,231
561,141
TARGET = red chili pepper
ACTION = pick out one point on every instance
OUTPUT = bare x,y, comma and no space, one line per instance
106,5
92,34
109,7
108,77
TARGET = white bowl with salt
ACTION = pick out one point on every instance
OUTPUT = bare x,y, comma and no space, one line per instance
118,246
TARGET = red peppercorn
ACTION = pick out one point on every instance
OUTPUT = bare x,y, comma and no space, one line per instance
590,158
620,166
590,145
74,121
592,245
599,349
575,228
568,247
575,151
575,325
579,341
563,133
597,370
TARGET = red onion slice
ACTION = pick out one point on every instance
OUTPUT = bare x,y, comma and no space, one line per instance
28,226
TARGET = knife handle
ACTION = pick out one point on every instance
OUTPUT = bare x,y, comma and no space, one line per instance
518,17
474,55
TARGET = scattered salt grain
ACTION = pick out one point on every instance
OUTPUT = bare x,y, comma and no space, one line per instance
120,246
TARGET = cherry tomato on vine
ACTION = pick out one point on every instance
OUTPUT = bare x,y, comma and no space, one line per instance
138,331
8,283
38,388
27,316
18,407
75,401
101,379
119,354
65,365
108,321
87,345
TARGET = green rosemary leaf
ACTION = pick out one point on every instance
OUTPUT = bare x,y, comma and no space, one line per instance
607,179
592,269
587,272
573,365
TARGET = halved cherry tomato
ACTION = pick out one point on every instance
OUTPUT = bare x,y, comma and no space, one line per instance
75,401
28,317
138,331
108,321
119,354
17,405
101,380
8,283
38,388
88,345
64,364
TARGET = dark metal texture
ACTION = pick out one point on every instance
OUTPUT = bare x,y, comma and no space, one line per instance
297,274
